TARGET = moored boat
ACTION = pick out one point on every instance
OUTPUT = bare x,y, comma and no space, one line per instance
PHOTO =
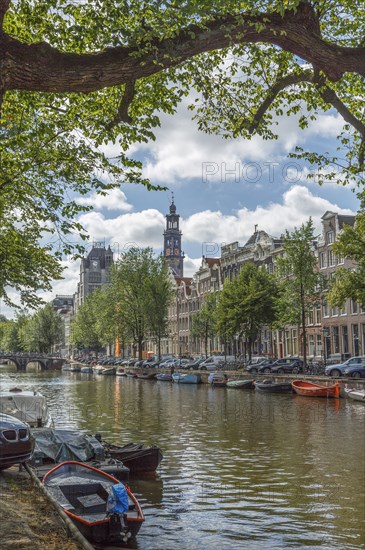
218,379
131,374
121,372
134,456
164,377
104,510
108,371
87,370
309,389
27,406
75,368
241,384
146,375
269,386
357,395
191,378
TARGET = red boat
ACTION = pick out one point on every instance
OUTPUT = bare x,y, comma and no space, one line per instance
309,389
102,508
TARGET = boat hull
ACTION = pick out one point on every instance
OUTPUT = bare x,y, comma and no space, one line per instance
308,389
356,395
273,387
241,384
135,457
186,378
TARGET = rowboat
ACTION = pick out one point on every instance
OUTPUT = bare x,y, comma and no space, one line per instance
87,369
104,510
108,371
357,395
131,374
309,389
268,386
120,372
241,384
146,375
134,456
218,379
164,377
190,378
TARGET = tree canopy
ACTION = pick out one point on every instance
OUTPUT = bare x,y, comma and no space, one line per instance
75,76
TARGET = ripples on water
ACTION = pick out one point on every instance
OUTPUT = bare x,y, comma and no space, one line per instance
240,470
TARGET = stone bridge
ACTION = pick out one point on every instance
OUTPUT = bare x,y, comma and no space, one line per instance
21,360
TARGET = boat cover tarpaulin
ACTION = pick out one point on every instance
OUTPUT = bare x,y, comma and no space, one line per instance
117,500
61,445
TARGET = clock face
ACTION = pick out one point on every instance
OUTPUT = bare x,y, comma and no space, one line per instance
167,252
95,263
176,251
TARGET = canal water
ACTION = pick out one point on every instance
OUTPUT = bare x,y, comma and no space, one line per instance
240,469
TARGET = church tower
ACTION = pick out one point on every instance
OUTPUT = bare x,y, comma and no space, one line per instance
172,242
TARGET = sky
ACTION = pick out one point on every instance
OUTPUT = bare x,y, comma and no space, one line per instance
222,189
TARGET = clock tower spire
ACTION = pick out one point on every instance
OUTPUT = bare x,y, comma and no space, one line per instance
172,242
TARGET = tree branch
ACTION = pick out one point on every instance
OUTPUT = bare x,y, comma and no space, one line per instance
122,114
327,94
40,67
279,86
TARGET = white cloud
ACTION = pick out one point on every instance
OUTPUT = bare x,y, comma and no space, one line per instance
143,228
114,200
297,205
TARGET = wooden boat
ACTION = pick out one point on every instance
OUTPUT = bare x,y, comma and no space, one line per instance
121,372
134,456
87,369
309,389
357,395
131,374
191,378
146,375
269,386
164,377
104,510
241,384
108,371
218,379
98,369
75,368
53,446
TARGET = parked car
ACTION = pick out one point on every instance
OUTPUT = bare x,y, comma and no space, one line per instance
338,370
214,361
192,365
16,441
355,371
256,360
289,365
263,366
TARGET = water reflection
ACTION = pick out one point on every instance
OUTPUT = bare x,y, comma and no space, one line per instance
240,469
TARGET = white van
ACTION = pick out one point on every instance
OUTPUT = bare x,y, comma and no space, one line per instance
212,362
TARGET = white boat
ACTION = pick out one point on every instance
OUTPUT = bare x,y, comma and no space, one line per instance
28,406
357,395
98,369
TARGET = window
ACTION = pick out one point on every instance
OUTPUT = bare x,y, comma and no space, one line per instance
345,343
322,260
94,277
331,258
336,340
325,309
310,315
354,308
318,314
330,237
334,311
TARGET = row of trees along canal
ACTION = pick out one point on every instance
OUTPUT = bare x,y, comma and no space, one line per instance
135,303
